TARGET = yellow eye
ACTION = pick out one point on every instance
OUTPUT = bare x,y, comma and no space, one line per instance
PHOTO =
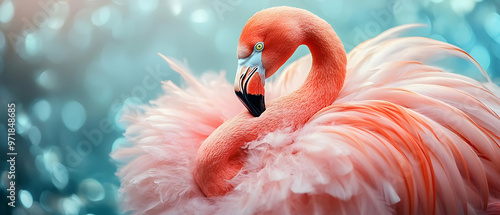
259,46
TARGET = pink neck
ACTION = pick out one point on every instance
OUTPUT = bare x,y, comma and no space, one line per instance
221,156
326,78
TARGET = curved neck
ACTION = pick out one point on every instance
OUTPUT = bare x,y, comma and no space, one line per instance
329,61
325,79
221,156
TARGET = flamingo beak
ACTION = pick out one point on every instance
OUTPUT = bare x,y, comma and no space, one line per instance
249,85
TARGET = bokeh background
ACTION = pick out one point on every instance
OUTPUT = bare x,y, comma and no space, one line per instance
72,66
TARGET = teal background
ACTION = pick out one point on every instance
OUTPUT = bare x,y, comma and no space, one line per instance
71,67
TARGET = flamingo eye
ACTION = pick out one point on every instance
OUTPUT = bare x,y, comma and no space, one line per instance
259,46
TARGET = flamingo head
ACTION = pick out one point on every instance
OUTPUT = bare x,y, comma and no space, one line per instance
268,39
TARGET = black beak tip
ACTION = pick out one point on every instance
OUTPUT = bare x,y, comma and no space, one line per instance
254,103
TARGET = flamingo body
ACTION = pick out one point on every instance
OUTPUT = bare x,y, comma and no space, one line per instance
398,136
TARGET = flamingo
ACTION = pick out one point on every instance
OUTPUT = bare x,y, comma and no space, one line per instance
376,131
